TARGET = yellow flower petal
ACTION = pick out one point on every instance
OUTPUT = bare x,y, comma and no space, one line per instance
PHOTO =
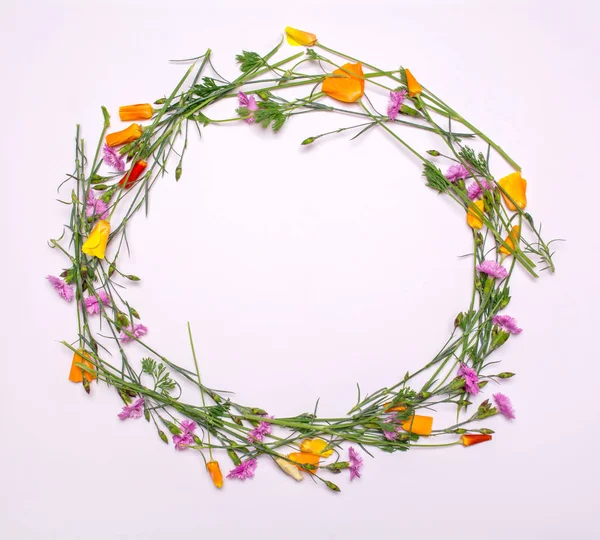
289,468
315,446
473,218
414,88
95,245
516,186
511,240
298,38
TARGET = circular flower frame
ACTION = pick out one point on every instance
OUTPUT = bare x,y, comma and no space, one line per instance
105,197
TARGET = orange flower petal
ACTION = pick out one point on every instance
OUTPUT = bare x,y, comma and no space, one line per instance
127,135
473,218
215,473
297,37
302,458
516,186
511,240
421,425
396,408
472,438
141,111
315,446
77,374
348,86
414,88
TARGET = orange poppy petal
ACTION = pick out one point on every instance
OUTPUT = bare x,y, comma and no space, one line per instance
303,458
297,37
421,425
348,86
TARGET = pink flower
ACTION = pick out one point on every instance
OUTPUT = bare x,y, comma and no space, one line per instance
91,302
259,432
248,102
493,269
396,99
186,437
356,463
475,190
504,405
245,470
507,323
456,172
63,289
392,435
138,331
95,207
113,159
471,379
133,411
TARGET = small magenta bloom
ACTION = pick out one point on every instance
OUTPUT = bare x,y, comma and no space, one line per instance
244,470
457,172
133,411
394,104
138,331
391,434
507,323
259,432
92,305
493,269
63,289
113,159
248,102
475,190
504,405
356,463
186,437
471,379
95,207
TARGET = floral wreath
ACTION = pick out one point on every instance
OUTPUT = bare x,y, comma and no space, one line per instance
105,196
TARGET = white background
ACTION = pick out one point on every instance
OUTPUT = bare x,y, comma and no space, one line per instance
302,271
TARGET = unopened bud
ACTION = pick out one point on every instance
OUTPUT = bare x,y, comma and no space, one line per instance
163,436
172,427
405,109
482,384
134,313
197,440
433,153
332,486
111,270
486,431
310,140
86,385
459,319
160,101
257,411
459,431
505,375
131,277
177,173
147,415
96,179
234,457
338,466
101,187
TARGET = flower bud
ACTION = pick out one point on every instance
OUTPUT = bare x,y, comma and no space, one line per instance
111,270
332,486
310,140
234,457
160,101
134,313
122,319
459,431
405,109
499,339
131,277
459,319
172,427
486,431
197,440
147,415
163,436
258,412
178,173
482,384
101,187
505,375
434,153
96,179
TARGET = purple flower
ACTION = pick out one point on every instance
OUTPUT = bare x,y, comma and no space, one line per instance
456,172
476,189
91,302
391,435
471,379
259,432
248,102
493,269
63,289
137,331
504,405
133,411
186,437
113,159
507,323
95,207
356,462
396,99
244,471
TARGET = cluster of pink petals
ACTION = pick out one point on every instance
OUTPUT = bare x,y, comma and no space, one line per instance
248,102
507,323
356,463
63,289
390,435
493,269
476,189
186,437
457,172
95,207
136,410
504,405
113,159
244,470
471,379
396,99
260,431
137,331
92,302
